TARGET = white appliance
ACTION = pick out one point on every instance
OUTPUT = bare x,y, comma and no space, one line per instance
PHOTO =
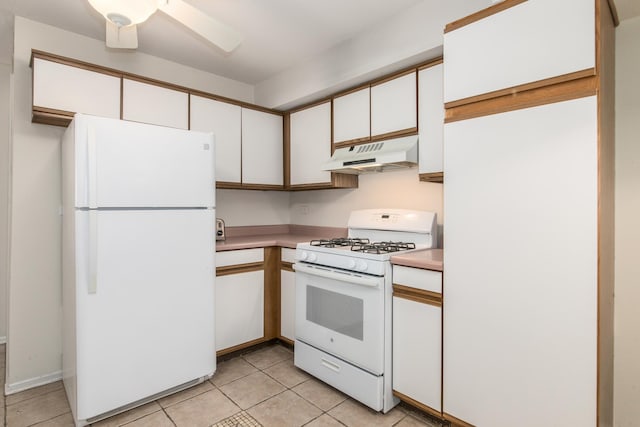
138,263
343,301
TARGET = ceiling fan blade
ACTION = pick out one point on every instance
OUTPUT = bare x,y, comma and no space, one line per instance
121,37
218,33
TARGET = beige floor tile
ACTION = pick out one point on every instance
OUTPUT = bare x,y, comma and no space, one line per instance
268,356
33,392
64,420
202,410
185,394
286,373
325,420
232,370
252,389
320,394
354,414
285,409
127,417
157,419
37,409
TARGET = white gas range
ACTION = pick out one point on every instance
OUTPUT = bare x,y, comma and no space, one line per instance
343,301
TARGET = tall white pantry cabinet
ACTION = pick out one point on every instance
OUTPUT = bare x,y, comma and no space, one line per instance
528,201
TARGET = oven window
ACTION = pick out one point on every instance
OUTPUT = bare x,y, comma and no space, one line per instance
338,312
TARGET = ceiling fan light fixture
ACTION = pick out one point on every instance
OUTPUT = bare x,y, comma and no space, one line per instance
125,12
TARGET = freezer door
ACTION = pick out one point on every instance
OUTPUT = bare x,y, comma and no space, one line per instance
127,164
147,322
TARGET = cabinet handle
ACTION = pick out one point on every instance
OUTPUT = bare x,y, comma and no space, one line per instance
330,365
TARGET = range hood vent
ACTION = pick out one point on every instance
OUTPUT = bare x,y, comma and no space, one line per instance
392,154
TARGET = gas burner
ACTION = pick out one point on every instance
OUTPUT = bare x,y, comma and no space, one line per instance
341,241
382,247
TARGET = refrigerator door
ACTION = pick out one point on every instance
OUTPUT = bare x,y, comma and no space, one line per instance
127,164
146,323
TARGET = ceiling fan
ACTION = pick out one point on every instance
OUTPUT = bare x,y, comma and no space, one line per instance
123,15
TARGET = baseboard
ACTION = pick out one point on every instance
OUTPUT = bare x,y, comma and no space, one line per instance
32,382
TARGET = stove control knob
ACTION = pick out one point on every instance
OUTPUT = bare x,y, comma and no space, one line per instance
351,264
303,255
312,257
361,266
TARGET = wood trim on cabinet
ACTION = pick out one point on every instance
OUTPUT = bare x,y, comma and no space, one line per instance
614,12
51,116
394,134
419,405
605,64
456,422
564,91
158,83
350,142
286,266
72,63
481,14
432,63
512,91
393,76
239,268
286,340
432,177
418,295
240,347
271,293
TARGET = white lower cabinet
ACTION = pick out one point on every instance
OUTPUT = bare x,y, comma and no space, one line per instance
417,356
287,304
239,308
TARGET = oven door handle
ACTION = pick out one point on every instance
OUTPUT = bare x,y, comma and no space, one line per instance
372,282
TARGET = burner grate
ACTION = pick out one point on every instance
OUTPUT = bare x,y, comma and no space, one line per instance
382,247
341,241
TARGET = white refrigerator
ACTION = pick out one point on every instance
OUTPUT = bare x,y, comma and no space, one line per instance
138,263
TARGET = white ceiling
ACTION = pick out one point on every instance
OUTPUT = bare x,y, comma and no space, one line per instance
278,34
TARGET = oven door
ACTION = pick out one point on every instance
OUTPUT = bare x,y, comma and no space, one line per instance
341,313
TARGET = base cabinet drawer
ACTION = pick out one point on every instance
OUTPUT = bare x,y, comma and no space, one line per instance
417,352
239,303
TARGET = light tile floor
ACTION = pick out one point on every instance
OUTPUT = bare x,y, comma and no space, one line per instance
260,388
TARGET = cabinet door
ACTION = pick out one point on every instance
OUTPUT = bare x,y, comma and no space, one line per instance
224,120
520,312
76,90
352,117
239,308
287,304
157,105
532,41
417,356
261,148
394,106
310,144
430,119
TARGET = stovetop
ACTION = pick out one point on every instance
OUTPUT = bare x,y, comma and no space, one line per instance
364,245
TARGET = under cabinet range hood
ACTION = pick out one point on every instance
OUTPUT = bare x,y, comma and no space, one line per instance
392,154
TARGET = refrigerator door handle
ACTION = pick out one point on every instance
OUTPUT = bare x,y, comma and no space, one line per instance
93,252
92,172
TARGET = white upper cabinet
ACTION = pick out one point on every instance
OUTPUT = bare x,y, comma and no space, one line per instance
532,41
262,161
147,103
310,144
351,116
224,120
430,119
394,105
62,87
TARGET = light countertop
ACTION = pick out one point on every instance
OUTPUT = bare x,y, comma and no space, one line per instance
428,259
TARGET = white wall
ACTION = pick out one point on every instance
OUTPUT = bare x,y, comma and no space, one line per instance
627,271
5,174
241,207
34,299
398,189
412,36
